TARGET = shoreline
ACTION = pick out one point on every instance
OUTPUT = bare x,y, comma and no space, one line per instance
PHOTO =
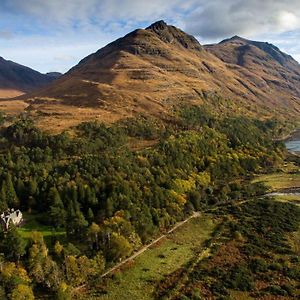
293,136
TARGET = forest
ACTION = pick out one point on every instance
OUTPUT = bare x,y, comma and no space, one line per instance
106,198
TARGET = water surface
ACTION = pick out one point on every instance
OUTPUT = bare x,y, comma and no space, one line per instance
293,143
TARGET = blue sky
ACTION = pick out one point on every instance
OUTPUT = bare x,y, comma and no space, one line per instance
54,35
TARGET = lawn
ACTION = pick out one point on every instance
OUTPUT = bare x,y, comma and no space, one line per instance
137,280
279,181
31,224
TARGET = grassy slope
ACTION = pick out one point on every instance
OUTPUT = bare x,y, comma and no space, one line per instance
289,177
137,281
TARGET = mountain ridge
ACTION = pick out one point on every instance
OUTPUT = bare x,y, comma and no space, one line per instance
17,79
153,70
283,58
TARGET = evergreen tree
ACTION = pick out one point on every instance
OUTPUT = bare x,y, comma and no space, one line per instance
32,187
10,193
90,215
13,245
57,209
20,189
3,202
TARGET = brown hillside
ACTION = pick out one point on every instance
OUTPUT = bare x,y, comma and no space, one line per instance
151,70
274,75
10,93
16,79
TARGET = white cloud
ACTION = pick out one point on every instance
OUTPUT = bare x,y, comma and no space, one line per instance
288,21
55,34
219,19
92,12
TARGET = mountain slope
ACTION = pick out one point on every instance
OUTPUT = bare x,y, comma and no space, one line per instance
16,79
241,45
270,68
154,69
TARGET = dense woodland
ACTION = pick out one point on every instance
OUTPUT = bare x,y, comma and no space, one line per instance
109,198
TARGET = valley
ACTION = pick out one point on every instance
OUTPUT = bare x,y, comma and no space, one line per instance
153,169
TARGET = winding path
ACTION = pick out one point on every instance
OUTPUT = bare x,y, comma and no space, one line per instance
143,249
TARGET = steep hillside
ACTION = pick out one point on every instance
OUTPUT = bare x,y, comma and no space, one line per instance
154,69
16,79
265,67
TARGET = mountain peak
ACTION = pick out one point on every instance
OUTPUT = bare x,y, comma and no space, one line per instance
159,25
236,37
173,35
233,39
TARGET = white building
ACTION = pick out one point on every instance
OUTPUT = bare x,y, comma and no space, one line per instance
11,216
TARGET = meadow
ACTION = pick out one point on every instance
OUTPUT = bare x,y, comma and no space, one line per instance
137,280
279,181
32,223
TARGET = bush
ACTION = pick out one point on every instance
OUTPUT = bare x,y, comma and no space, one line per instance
276,290
258,265
240,279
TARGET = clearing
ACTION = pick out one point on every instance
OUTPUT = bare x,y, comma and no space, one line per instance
279,181
138,278
31,223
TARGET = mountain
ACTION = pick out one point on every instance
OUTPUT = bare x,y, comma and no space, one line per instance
154,69
16,79
264,65
240,47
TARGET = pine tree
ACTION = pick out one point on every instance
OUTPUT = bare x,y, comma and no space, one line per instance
76,222
90,196
20,187
57,209
11,196
13,245
79,221
32,187
109,207
3,203
90,215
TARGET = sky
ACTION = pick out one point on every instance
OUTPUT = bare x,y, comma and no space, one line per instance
54,35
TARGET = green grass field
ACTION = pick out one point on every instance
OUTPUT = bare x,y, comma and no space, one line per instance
31,224
137,280
279,181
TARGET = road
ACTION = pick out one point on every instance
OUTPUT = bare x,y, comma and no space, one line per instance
143,249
